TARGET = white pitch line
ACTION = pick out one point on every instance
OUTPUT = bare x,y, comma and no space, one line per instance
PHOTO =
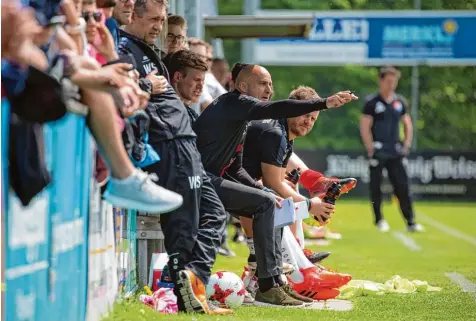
448,230
465,284
407,241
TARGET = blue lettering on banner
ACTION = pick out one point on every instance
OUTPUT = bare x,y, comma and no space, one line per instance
349,29
422,38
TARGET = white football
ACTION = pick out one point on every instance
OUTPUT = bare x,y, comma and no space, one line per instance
226,289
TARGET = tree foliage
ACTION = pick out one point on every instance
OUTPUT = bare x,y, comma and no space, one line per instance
447,102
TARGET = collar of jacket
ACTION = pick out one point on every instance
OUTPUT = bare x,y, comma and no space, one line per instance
142,43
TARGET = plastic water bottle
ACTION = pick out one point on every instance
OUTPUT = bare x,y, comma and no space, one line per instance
332,194
294,176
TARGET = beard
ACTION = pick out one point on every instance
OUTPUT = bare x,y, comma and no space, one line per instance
297,132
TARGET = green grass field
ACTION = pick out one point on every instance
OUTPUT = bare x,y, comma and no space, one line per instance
370,255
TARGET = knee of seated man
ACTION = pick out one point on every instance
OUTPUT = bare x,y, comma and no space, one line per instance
268,200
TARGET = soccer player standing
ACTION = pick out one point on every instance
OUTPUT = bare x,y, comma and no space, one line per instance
379,129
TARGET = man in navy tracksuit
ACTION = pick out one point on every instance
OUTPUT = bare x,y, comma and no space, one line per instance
193,232
221,131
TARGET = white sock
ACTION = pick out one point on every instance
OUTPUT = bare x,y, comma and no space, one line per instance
293,254
300,233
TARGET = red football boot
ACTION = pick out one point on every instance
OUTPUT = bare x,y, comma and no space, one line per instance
311,286
339,279
317,183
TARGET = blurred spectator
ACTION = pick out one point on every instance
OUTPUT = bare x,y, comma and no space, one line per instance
221,71
176,34
205,50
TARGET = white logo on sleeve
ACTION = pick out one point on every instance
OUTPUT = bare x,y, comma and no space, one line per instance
379,107
195,182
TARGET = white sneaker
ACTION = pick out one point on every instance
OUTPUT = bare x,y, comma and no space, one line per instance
415,228
383,226
139,192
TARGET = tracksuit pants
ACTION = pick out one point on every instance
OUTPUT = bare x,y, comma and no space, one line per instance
193,232
398,177
242,200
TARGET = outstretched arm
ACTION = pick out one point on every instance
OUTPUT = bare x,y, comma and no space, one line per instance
255,109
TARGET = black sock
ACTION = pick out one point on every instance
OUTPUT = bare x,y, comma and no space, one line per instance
278,280
252,258
265,284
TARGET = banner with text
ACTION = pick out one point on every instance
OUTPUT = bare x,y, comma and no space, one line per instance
375,38
434,174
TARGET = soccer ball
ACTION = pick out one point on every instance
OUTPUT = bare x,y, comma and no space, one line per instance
226,289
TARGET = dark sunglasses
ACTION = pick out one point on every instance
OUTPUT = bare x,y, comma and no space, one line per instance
88,15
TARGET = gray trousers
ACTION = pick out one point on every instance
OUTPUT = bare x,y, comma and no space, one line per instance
242,200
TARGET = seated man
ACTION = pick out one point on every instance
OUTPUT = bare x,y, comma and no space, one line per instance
221,130
268,147
192,232
187,72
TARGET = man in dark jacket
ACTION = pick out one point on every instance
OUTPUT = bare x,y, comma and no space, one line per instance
221,131
193,232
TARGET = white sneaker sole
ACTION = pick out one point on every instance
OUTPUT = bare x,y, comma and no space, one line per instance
150,209
190,301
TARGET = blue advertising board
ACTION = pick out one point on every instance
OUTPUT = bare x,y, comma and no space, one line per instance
46,260
374,38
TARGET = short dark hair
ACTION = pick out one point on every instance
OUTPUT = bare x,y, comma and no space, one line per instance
183,59
303,93
388,70
140,7
237,68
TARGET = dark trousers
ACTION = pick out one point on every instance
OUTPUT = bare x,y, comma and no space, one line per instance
193,232
399,179
242,200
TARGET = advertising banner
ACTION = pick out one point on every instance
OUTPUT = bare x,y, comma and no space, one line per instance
434,175
376,38
46,242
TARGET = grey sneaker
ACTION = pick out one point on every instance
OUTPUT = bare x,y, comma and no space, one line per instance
276,297
139,192
289,291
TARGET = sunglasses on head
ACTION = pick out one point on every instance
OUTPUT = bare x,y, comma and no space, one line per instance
95,15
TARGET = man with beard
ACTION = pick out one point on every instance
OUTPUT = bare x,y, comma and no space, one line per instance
221,131
267,150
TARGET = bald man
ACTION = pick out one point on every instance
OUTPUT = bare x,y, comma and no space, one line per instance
221,131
